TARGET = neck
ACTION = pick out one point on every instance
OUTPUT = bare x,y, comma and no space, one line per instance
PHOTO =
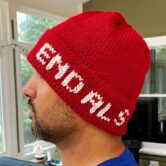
90,148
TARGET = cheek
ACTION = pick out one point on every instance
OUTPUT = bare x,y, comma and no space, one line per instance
47,110
45,98
42,106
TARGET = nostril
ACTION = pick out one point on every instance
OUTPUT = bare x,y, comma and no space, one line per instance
29,91
26,95
26,91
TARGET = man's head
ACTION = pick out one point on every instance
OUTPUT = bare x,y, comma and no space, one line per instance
95,63
52,119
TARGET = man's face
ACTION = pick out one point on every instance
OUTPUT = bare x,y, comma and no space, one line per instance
52,119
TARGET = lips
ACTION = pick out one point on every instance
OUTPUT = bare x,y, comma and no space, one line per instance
30,114
31,111
30,107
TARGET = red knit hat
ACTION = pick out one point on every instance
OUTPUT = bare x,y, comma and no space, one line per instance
97,63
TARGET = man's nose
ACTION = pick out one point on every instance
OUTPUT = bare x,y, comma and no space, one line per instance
29,89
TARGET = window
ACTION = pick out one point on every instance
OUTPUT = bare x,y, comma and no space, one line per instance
29,28
156,79
148,123
155,84
155,88
20,27
158,83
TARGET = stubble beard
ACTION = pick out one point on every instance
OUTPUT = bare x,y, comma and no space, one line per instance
62,133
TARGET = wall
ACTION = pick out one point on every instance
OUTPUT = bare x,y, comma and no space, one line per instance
62,8
147,16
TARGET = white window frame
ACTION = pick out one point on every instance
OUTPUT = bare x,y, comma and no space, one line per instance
8,89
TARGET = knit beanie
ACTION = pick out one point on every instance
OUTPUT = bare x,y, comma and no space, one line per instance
96,62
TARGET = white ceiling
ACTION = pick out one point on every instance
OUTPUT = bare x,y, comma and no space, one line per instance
77,1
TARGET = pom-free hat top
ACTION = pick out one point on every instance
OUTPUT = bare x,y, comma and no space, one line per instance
96,62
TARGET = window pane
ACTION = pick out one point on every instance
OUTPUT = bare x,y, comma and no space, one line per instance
30,27
1,117
156,78
161,70
162,109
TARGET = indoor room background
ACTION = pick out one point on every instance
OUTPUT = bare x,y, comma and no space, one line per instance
21,24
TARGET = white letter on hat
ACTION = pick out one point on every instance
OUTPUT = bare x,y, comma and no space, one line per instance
95,105
103,111
62,69
121,117
43,52
68,79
